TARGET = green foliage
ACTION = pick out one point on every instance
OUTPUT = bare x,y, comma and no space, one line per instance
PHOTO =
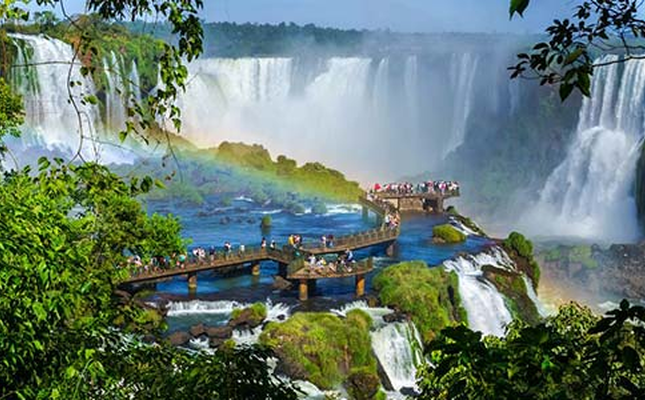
520,244
448,234
568,57
322,347
521,251
11,111
572,355
429,295
64,234
513,287
266,221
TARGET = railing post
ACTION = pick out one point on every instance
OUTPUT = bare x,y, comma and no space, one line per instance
360,285
192,283
303,290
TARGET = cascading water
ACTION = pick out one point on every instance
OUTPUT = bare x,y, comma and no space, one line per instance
51,121
589,194
486,308
43,70
115,93
462,77
369,107
399,350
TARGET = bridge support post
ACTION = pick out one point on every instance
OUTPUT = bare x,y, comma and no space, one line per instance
282,269
192,282
360,285
255,269
389,251
303,290
439,209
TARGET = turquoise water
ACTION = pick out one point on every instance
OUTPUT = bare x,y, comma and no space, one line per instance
210,225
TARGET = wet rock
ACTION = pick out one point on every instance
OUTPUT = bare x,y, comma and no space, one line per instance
223,332
197,330
247,318
179,338
363,385
396,316
279,283
216,342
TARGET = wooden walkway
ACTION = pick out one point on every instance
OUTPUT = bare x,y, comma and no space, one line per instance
288,256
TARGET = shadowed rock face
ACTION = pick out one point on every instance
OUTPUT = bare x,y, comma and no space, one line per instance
618,271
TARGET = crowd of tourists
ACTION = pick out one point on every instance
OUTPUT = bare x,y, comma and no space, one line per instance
202,255
342,263
407,188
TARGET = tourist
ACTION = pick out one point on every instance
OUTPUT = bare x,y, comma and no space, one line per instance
272,246
263,244
323,241
349,256
242,248
330,241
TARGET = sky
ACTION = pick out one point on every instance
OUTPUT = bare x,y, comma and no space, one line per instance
396,15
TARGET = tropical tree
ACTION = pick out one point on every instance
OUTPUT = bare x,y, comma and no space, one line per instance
569,57
572,355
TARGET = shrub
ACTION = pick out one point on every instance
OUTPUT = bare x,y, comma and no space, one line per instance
448,234
266,221
429,295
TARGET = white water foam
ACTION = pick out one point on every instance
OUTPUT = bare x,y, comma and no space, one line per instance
486,308
590,194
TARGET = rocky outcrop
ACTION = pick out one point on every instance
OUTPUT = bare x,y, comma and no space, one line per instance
248,318
613,272
179,338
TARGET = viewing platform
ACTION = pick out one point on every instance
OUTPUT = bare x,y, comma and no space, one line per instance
429,201
307,274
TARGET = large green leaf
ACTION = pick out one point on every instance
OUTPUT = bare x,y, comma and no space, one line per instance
518,6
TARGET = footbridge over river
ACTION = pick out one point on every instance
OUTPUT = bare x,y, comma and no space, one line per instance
291,260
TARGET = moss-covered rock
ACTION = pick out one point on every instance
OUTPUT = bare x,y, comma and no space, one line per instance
520,249
514,289
249,317
323,348
429,295
447,234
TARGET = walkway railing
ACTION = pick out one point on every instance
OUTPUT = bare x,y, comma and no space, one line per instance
285,255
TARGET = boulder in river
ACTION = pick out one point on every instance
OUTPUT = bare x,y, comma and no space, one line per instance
223,332
197,330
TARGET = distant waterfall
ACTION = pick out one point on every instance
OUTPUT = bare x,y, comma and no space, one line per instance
462,78
115,93
486,308
42,75
411,84
51,121
590,193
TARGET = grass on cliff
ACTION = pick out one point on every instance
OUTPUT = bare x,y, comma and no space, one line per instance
321,347
448,234
429,295
521,251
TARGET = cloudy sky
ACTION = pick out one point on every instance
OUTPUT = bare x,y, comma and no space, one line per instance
397,15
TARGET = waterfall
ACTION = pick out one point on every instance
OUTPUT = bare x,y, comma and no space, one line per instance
115,93
462,77
50,120
486,308
399,350
135,82
42,75
411,84
381,93
590,193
